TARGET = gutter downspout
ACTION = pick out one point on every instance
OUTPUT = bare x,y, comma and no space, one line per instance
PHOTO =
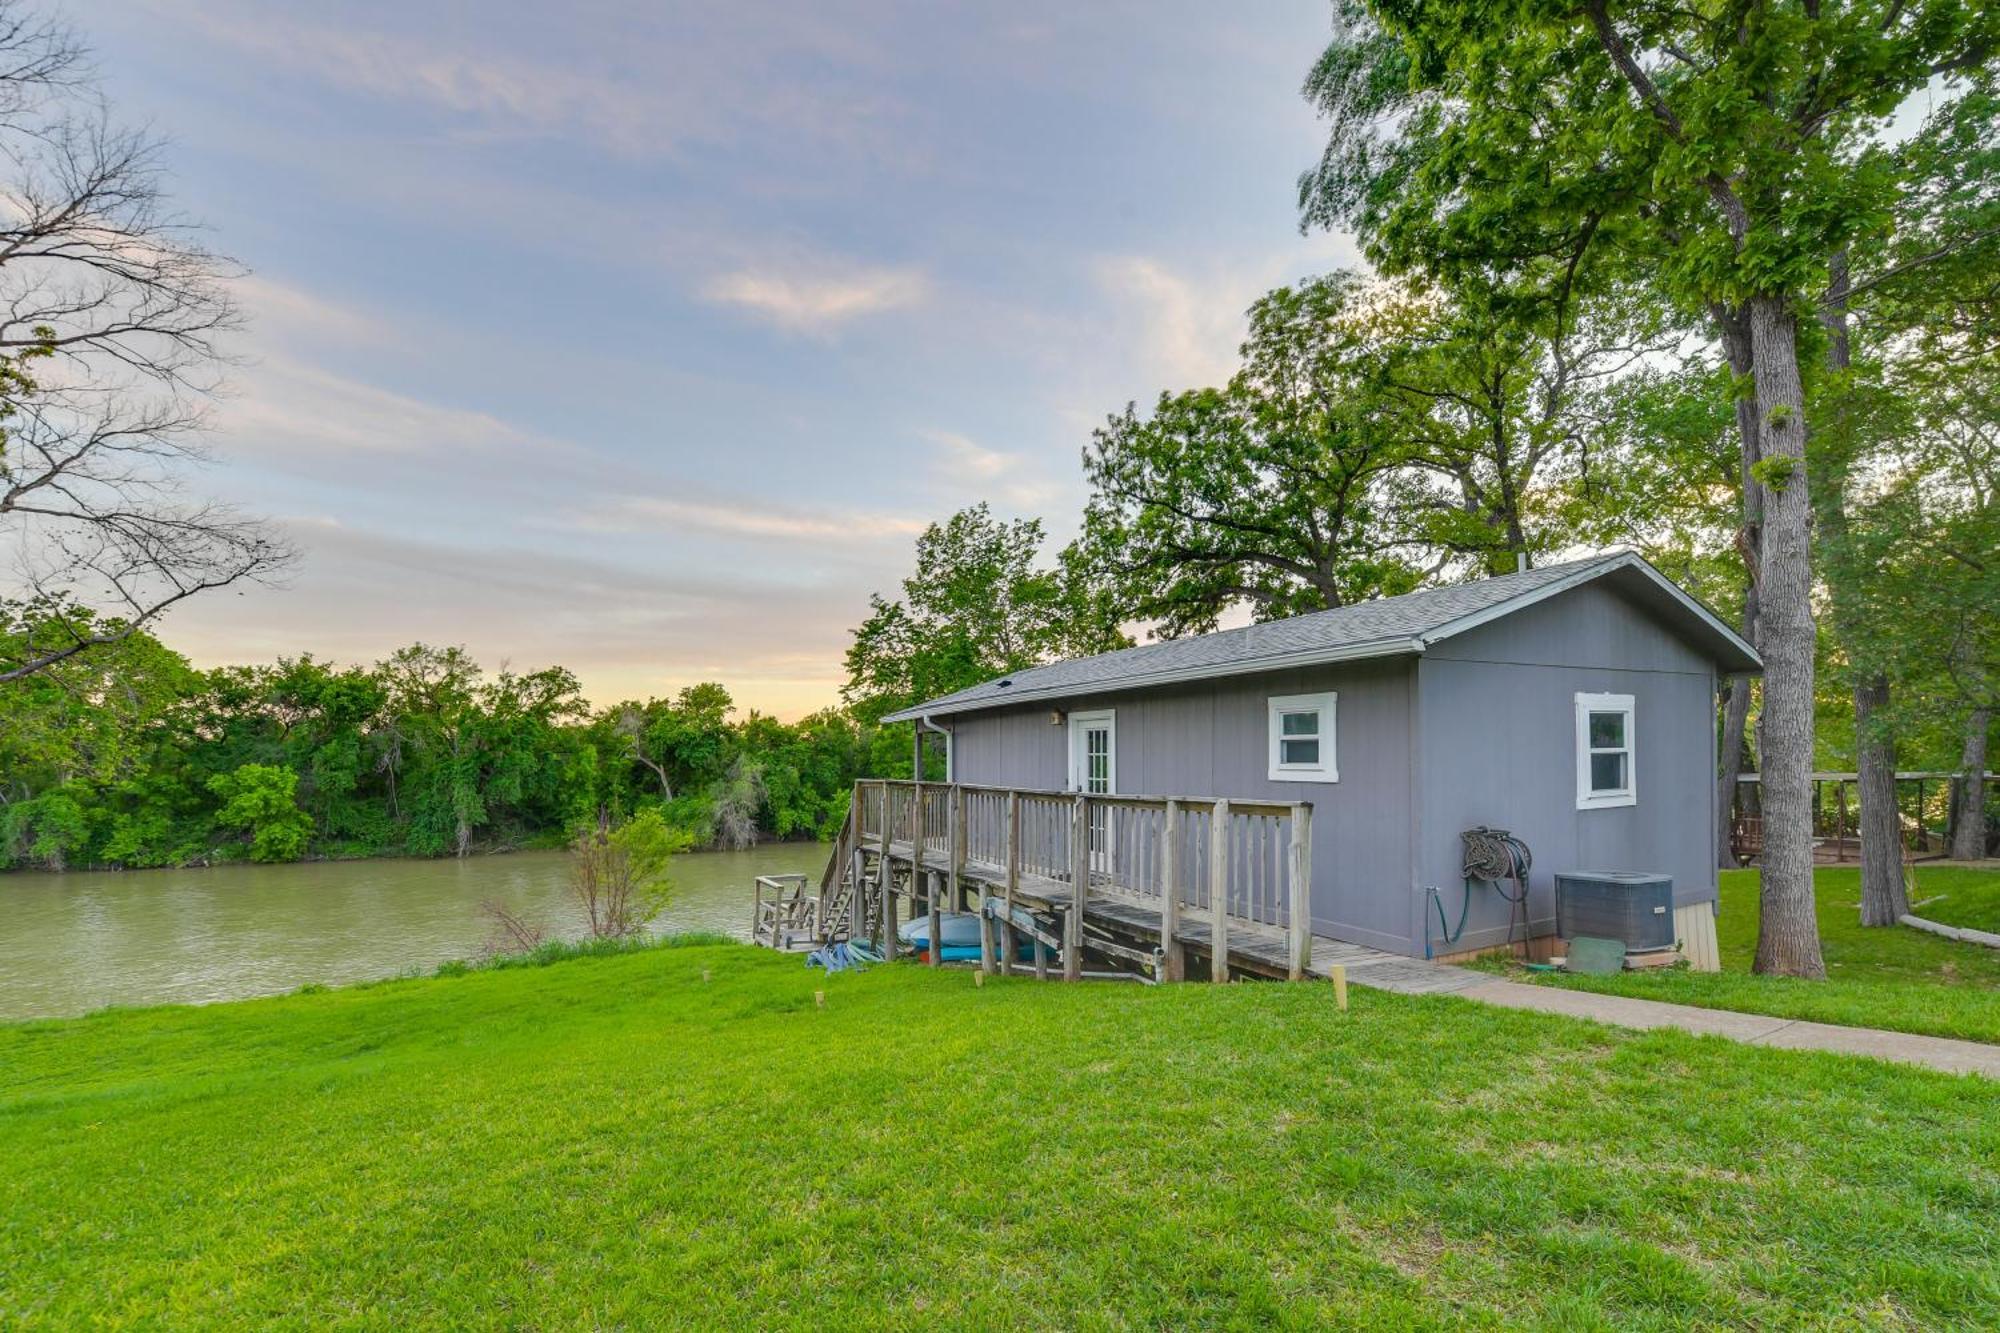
924,724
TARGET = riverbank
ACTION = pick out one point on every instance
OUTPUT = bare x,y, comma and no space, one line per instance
683,1137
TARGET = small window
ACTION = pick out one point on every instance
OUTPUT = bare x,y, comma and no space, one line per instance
1302,738
1604,751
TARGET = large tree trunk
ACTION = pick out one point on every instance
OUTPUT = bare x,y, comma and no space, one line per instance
1968,841
1787,929
1879,824
1884,898
1734,327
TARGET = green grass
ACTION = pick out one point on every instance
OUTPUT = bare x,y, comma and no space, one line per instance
1958,896
614,1141
1885,977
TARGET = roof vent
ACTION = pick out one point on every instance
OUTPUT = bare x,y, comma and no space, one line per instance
1001,685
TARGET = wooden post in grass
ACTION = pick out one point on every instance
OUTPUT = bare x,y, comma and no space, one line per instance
1079,876
1218,892
1340,986
1299,943
1008,947
1173,964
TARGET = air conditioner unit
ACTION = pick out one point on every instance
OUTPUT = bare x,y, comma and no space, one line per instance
1623,905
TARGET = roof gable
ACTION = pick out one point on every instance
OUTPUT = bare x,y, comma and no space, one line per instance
1385,627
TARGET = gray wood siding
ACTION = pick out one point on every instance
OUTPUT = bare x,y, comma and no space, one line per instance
1480,730
1209,738
1497,745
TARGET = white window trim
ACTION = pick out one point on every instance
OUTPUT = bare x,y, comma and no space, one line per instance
1587,799
1077,724
1327,705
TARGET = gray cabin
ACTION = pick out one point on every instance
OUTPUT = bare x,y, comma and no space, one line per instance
1572,704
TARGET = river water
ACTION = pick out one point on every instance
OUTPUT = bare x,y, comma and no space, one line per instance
74,942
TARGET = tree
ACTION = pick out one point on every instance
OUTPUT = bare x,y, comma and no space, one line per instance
1275,492
976,606
258,801
111,315
1725,154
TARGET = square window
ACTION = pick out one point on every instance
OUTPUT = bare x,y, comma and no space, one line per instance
1301,738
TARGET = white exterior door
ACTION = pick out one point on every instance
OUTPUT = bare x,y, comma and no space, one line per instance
1093,752
1093,769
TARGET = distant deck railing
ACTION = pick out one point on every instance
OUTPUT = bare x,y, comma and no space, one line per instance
1181,856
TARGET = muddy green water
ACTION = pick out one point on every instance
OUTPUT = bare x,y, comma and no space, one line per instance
75,942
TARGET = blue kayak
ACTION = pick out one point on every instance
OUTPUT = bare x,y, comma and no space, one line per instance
959,930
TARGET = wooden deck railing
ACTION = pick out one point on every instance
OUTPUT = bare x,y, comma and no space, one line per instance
1179,855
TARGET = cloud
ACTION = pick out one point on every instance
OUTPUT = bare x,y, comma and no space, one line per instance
1190,329
817,302
964,464
642,85
763,521
285,407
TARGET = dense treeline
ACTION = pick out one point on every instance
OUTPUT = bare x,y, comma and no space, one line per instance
128,756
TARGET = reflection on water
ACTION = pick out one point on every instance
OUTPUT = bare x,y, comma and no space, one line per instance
74,942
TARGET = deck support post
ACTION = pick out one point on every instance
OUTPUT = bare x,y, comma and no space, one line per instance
1298,945
1218,892
1013,844
937,889
1173,963
1079,876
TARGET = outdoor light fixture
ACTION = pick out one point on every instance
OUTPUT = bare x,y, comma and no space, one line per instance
1056,717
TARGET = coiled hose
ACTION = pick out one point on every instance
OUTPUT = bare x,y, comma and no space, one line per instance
1491,856
1495,855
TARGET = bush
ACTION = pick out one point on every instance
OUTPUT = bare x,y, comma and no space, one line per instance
619,877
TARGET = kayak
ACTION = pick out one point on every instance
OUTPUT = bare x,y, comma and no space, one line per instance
959,930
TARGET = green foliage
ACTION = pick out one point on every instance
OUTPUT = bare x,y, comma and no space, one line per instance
1774,473
1276,492
976,606
126,756
257,801
446,1152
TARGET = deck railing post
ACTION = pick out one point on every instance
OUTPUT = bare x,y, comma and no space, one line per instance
1299,952
1013,854
1218,892
1079,874
1173,962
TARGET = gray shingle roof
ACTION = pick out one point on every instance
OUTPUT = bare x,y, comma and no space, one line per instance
1381,628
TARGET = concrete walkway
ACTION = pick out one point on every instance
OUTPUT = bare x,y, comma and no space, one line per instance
1948,1054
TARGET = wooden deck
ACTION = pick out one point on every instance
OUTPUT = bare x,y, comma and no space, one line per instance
1152,869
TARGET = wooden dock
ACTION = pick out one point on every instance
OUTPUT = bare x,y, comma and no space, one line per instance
1154,886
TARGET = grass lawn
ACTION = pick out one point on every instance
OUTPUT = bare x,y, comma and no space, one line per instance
1884,977
617,1142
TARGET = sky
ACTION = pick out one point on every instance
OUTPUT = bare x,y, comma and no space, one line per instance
644,338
